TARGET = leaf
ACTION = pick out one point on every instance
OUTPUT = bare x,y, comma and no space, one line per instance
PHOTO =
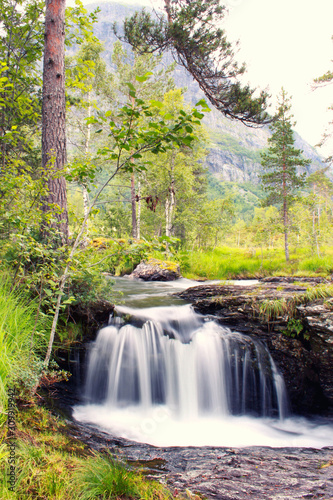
144,77
130,86
157,104
202,103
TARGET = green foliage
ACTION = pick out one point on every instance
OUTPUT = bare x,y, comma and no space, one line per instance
295,328
21,46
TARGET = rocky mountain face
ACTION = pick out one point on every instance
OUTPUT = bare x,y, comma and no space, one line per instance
234,150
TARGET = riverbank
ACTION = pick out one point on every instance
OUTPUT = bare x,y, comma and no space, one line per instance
56,458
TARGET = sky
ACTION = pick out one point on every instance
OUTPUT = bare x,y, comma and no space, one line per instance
284,43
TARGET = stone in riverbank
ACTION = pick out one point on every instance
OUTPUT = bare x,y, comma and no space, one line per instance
156,270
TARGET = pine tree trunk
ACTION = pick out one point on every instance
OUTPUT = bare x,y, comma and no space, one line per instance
285,223
54,120
285,206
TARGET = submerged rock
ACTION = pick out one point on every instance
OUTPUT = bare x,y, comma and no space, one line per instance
157,270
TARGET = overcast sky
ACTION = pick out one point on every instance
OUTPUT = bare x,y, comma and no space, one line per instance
284,43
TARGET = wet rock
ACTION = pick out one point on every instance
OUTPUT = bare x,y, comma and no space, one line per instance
156,270
306,361
225,473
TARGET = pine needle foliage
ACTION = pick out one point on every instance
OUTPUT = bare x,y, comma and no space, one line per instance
280,162
191,31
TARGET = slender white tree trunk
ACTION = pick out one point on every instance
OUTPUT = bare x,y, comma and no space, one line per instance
138,217
85,193
170,200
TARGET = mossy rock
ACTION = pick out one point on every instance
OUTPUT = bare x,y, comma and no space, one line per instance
157,270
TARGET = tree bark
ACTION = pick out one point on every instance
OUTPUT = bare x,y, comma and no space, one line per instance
54,121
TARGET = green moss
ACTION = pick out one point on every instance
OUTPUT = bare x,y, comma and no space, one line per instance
164,264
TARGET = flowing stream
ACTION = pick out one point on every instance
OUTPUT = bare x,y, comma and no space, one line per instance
162,374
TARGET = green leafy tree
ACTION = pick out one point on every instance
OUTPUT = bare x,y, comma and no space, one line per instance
215,220
126,79
174,185
192,31
21,47
280,178
87,79
265,226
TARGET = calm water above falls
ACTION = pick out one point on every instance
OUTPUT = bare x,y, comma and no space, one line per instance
167,376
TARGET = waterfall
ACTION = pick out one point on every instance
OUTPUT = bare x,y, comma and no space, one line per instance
167,376
191,365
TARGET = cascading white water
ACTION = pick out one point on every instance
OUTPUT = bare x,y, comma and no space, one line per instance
203,369
168,376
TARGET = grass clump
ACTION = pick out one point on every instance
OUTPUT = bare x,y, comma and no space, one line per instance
103,477
273,309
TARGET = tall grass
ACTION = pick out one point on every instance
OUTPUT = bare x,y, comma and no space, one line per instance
233,263
104,477
21,338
